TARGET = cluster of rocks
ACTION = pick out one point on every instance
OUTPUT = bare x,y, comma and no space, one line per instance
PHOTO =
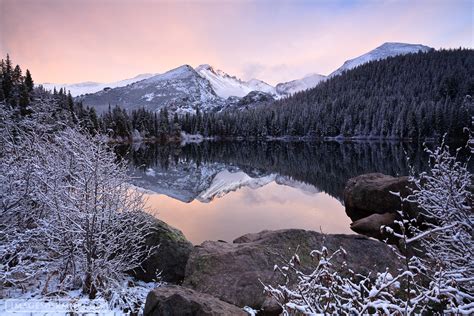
373,200
220,278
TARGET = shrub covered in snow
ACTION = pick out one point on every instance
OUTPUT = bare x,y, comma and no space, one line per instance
68,218
439,270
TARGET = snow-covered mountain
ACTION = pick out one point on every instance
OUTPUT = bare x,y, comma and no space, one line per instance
386,50
180,90
184,89
77,89
227,86
291,87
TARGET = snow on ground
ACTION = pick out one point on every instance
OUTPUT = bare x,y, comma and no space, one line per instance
32,303
150,172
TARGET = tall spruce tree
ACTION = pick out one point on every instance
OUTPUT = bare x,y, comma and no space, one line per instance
29,81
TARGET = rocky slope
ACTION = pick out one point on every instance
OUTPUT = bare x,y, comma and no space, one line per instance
180,90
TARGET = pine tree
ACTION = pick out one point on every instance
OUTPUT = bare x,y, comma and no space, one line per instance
29,81
7,83
24,100
70,106
17,77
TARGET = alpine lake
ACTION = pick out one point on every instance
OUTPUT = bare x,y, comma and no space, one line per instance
222,190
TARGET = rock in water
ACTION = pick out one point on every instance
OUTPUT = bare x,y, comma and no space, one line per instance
370,194
179,301
370,225
232,272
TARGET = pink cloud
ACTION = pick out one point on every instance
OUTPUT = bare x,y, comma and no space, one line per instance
70,41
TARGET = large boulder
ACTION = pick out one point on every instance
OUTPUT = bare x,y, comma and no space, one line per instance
370,194
178,301
169,258
232,272
372,224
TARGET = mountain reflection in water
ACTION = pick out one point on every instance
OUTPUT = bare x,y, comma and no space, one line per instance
222,190
246,210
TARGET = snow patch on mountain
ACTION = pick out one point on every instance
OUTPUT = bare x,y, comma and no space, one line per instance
227,86
262,86
81,88
384,51
307,82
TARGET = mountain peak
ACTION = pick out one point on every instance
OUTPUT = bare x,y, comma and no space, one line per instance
180,72
230,86
400,44
182,69
387,49
204,67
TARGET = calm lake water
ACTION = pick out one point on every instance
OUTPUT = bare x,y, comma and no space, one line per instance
222,190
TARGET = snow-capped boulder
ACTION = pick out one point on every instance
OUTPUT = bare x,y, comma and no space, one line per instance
176,300
232,272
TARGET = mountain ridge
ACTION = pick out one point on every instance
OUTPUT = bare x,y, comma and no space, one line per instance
386,50
184,88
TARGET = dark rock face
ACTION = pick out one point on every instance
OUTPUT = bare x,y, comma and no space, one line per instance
232,272
255,97
370,194
170,257
179,301
370,225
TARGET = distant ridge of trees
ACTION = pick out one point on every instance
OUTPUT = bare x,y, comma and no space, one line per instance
21,100
411,96
414,96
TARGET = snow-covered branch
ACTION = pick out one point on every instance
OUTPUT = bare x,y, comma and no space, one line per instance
437,256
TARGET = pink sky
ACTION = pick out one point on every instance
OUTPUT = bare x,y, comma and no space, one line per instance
105,40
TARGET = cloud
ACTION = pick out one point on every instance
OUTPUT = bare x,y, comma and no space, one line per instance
103,40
